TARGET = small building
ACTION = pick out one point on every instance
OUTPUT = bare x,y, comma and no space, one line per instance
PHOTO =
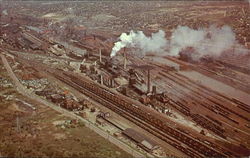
56,98
100,121
117,134
75,65
83,68
103,115
73,55
144,99
21,43
68,104
83,114
141,140
35,46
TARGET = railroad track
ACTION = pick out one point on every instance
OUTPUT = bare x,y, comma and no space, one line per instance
211,99
222,78
151,123
137,121
181,141
215,98
213,95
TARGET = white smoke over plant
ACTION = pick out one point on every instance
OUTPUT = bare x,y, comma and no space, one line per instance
212,42
184,37
156,43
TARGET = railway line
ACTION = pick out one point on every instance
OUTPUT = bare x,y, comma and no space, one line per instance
133,112
214,94
181,140
219,99
223,78
201,92
181,105
175,137
217,76
211,102
229,108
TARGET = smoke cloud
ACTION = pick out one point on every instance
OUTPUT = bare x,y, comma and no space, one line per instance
212,42
184,37
156,43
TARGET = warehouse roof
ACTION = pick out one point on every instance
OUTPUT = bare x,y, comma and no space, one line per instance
140,138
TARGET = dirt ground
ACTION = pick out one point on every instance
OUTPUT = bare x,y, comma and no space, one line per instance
44,132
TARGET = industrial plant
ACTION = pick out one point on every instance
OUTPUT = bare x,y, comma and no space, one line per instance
125,79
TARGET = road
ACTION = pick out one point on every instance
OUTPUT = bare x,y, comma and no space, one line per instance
21,89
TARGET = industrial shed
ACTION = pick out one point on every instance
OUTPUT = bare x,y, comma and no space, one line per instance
140,139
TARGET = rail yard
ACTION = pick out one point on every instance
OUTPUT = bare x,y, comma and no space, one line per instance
178,88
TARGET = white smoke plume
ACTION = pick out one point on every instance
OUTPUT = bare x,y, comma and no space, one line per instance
212,42
156,43
184,37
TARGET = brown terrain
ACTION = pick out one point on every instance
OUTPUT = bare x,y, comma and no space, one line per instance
63,95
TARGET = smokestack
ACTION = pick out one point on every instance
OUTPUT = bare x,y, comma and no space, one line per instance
17,124
101,79
100,53
243,12
111,82
154,90
148,81
125,59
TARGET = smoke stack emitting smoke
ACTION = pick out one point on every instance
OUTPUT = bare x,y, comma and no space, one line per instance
212,41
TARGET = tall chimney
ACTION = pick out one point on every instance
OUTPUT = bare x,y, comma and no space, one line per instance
100,53
243,12
154,90
148,81
101,79
17,124
112,82
125,58
87,55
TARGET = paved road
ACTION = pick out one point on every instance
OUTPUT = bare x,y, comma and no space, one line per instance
21,89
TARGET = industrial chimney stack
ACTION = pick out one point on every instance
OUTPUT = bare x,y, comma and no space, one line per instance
148,81
125,58
100,53
101,77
